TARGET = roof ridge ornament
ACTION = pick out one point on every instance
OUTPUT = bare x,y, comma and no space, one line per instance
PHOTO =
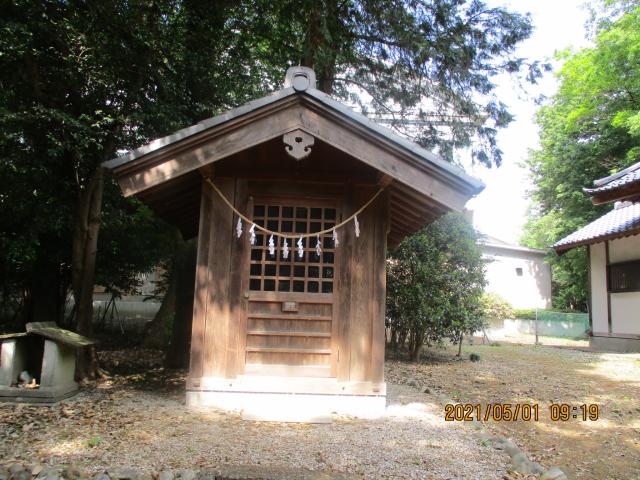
300,78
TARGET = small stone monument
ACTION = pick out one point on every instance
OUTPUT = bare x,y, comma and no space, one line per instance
38,366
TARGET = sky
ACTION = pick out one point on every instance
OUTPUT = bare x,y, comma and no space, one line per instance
501,209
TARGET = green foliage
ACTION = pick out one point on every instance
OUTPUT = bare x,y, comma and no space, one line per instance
435,281
525,314
588,130
430,61
83,81
494,307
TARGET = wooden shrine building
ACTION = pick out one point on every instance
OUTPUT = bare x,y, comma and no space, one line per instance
284,315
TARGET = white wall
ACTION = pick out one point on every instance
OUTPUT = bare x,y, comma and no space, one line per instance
531,290
599,288
625,307
624,249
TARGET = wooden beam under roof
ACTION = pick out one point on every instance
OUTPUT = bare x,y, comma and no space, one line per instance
259,127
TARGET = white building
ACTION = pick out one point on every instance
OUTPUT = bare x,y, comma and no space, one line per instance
613,241
518,274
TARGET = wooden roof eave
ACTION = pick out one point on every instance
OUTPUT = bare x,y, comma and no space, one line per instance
628,192
188,150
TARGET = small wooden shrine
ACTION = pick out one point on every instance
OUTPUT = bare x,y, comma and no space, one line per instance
38,366
294,199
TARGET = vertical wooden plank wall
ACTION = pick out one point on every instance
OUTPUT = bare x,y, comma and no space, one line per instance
217,291
361,298
217,343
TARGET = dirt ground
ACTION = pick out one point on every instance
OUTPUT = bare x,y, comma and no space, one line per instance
608,448
138,420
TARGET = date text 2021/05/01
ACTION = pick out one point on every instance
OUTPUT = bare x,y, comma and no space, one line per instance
512,412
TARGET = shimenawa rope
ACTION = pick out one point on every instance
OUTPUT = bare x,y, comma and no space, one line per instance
294,235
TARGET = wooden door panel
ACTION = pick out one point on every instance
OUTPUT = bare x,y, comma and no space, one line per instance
289,320
264,325
300,340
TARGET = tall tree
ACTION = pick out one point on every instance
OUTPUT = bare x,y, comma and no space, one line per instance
82,81
425,66
590,128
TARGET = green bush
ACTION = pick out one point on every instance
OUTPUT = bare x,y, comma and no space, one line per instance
435,279
525,314
494,307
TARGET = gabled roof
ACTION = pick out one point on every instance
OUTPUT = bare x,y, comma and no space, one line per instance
619,222
619,186
493,242
415,176
185,133
53,332
181,135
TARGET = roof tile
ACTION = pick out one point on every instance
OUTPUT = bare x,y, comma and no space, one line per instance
617,223
621,179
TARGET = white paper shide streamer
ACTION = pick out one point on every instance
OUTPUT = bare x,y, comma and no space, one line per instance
272,246
239,228
285,245
300,248
252,231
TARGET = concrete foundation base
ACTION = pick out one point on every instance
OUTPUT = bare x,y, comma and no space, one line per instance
44,395
288,407
615,344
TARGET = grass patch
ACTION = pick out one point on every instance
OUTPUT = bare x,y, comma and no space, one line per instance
94,441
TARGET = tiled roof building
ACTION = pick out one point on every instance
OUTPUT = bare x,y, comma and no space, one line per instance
613,241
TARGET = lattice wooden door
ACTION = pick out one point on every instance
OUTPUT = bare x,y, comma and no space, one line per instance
290,327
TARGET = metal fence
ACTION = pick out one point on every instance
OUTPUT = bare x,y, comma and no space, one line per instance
544,323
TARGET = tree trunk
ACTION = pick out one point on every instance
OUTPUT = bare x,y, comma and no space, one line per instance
416,351
321,43
155,332
460,344
85,244
416,343
393,340
185,278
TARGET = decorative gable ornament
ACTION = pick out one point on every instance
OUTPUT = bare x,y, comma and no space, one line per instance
298,143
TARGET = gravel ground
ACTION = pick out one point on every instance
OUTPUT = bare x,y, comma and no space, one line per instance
605,449
140,422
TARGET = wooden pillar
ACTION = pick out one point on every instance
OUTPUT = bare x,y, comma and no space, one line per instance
213,305
201,282
379,287
361,290
361,295
342,313
238,285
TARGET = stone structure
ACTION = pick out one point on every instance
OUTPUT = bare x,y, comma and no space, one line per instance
39,365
